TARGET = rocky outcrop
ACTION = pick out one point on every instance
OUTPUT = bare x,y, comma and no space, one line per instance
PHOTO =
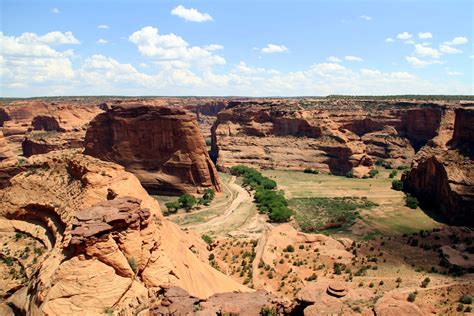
176,301
332,136
46,123
162,146
463,137
20,116
9,165
42,143
444,178
103,243
5,153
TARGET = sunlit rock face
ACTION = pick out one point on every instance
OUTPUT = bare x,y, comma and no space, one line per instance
162,146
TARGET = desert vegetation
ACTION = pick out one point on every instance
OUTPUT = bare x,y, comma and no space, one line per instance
268,200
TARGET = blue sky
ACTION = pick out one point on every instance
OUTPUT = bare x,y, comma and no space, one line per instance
254,48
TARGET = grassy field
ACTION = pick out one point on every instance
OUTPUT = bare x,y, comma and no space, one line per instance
317,214
389,217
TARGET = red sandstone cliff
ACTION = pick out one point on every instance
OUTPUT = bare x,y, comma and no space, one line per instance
444,178
162,146
333,136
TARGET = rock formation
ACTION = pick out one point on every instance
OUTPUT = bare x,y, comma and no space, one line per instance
162,146
444,178
329,136
100,241
42,143
8,163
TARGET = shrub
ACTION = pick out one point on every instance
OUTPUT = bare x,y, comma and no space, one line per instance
133,264
350,174
425,282
411,297
172,207
379,162
402,167
411,201
397,185
309,170
465,299
267,311
393,174
207,239
187,201
373,173
289,248
207,197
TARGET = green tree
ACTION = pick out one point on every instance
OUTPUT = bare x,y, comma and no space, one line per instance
172,207
187,201
411,201
397,185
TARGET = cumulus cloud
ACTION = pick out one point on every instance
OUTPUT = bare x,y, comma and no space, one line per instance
55,11
273,48
416,62
191,14
449,49
334,59
102,41
425,35
352,58
366,17
212,47
389,40
404,36
33,45
422,50
171,48
459,40
103,26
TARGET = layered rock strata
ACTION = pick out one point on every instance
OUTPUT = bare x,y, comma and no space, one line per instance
162,146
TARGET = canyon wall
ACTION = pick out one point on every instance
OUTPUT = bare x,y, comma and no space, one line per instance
100,241
331,136
443,178
162,146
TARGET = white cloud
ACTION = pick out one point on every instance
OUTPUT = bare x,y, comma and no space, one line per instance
366,17
171,48
103,26
472,56
426,51
416,62
334,59
273,48
143,65
389,40
55,11
212,47
460,40
191,15
410,41
102,41
404,36
32,45
425,35
352,58
455,73
449,50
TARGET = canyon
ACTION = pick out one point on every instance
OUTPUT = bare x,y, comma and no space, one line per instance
334,137
82,230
